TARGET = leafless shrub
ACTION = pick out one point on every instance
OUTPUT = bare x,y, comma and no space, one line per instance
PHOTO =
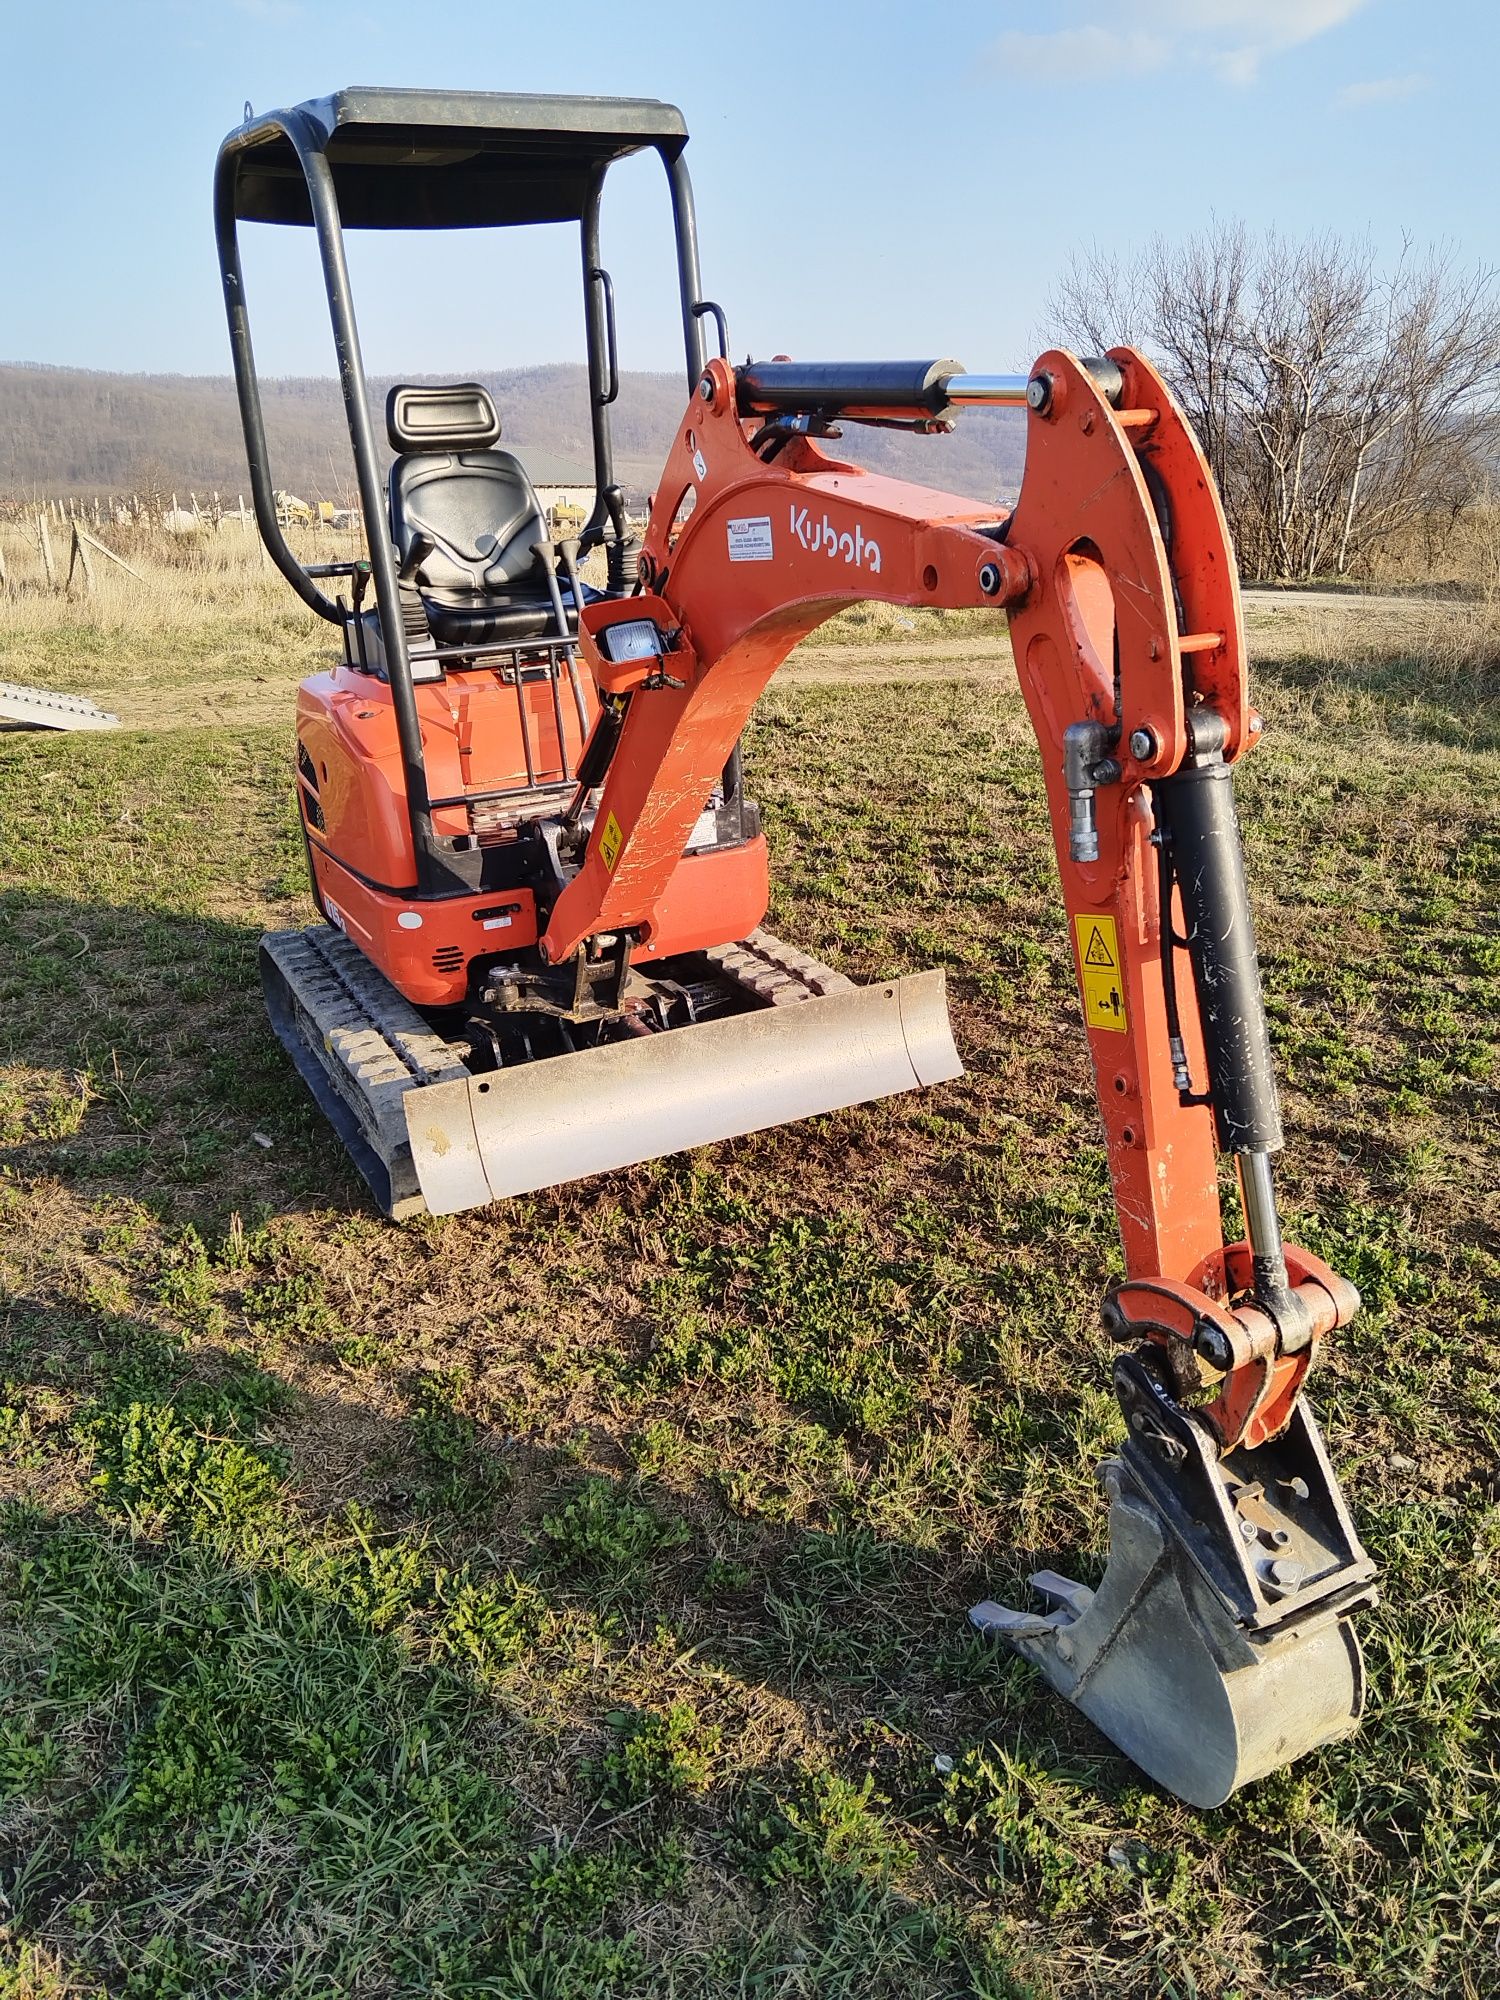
1344,407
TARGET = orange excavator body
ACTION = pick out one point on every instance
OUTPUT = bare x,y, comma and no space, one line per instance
478,732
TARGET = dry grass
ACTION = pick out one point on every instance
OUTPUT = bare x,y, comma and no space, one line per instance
212,635
1444,554
208,631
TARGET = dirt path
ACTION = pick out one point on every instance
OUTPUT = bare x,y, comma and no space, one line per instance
1266,597
981,655
976,656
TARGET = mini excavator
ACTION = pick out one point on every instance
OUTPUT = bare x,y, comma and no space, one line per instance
542,882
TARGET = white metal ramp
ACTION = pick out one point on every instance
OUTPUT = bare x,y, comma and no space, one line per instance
43,708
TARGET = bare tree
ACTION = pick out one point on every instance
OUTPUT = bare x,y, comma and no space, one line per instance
1343,406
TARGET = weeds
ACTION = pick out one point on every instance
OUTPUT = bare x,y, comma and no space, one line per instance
600,1533
656,1758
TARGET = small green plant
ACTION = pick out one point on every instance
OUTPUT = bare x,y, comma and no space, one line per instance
721,1575
487,1624
380,1580
358,1351
291,1308
464,1478
155,1463
186,1285
657,1758
828,1826
1037,1827
19,1444
598,1529
659,1448
43,1107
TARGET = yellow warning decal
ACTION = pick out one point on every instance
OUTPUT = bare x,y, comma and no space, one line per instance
609,843
1099,978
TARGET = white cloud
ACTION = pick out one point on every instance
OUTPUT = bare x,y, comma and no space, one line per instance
1078,52
1232,37
1380,90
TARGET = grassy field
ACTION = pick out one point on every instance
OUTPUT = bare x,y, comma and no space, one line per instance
567,1599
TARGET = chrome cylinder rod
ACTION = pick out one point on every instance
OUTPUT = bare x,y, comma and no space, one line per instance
1262,1225
1020,392
1006,392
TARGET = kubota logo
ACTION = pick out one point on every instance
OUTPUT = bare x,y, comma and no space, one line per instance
855,548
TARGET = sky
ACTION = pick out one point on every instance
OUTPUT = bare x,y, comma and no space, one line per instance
873,180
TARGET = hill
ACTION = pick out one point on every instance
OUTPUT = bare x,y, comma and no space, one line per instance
80,431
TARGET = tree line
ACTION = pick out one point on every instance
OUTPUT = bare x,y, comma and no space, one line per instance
78,431
1345,406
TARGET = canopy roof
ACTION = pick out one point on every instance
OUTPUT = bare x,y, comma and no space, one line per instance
444,159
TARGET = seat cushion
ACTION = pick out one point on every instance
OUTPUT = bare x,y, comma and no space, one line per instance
481,581
479,511
476,620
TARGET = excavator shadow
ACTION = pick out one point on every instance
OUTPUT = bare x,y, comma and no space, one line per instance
138,1062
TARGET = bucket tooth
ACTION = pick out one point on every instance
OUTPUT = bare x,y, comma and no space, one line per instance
1209,1655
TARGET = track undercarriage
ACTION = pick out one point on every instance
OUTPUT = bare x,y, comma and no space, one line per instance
443,1111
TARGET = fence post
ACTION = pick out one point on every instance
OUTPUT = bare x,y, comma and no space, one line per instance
44,541
80,555
103,549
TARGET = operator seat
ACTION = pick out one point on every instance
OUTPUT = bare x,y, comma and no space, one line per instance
480,581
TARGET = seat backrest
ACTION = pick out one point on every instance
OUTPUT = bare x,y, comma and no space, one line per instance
450,483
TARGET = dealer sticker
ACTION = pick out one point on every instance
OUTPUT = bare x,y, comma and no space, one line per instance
750,539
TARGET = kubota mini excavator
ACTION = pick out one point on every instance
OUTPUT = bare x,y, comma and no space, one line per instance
543,882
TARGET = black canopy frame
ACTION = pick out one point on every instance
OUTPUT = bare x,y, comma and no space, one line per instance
414,159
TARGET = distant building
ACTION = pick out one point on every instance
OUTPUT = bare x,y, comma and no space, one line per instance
561,483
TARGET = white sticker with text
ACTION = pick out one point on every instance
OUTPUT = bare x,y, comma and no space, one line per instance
750,539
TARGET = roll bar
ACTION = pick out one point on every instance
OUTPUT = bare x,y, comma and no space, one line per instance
308,130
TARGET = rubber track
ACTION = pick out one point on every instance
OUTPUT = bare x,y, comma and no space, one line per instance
359,1046
774,972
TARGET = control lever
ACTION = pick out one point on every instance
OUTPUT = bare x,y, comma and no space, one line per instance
422,546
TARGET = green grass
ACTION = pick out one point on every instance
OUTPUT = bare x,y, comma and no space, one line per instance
567,1599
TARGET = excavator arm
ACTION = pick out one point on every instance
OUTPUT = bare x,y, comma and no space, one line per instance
1219,1644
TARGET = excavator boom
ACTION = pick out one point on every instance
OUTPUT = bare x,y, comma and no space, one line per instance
1220,1643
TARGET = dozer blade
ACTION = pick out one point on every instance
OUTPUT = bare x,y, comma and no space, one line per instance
428,1133
480,1138
1218,1646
